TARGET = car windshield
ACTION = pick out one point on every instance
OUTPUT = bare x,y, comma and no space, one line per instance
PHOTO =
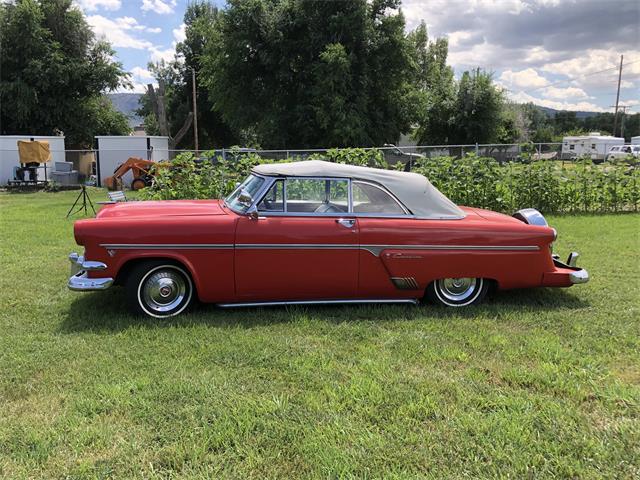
242,197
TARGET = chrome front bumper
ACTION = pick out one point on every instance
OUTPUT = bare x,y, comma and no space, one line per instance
79,281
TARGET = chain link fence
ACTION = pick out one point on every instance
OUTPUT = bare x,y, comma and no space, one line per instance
91,166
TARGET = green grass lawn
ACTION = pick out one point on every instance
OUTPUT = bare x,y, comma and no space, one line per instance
532,384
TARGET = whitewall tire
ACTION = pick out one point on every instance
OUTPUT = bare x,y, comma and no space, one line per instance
457,292
159,289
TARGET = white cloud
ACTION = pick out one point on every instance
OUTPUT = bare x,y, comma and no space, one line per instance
159,6
522,97
592,61
559,43
179,34
93,5
560,93
118,31
140,77
527,78
142,28
141,73
159,54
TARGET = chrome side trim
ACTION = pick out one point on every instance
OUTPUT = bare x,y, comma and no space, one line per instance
80,283
579,276
405,283
376,249
297,246
165,246
411,301
373,249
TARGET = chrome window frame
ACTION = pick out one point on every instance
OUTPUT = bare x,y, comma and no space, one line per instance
259,194
383,190
270,180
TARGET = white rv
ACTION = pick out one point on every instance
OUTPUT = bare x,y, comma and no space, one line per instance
635,140
593,145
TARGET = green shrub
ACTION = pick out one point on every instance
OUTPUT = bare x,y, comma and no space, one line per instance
547,185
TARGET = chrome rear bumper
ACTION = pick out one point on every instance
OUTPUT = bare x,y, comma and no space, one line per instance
79,281
579,276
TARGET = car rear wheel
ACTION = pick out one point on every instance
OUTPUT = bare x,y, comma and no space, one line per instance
457,292
159,289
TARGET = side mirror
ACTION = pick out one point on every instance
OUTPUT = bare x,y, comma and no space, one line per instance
245,198
252,213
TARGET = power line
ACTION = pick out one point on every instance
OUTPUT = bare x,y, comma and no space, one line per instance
558,82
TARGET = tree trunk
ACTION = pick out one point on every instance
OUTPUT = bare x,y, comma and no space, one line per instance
160,112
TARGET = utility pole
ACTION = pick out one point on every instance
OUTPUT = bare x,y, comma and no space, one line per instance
622,115
615,115
195,111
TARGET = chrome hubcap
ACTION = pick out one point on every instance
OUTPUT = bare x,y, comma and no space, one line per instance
164,290
457,289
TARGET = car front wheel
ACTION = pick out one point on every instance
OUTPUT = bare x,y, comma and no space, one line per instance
457,292
159,289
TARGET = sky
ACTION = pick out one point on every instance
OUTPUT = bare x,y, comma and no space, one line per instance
562,54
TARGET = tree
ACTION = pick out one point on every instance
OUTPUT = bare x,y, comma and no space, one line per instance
478,109
178,87
467,111
54,73
310,74
434,88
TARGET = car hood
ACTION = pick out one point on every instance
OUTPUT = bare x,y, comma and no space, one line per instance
164,208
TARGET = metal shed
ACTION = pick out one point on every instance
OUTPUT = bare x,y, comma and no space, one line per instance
9,157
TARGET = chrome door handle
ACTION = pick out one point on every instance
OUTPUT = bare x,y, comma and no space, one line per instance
346,222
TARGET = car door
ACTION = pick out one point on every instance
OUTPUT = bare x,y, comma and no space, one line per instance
303,245
386,271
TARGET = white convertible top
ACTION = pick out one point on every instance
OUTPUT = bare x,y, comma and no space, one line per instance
413,190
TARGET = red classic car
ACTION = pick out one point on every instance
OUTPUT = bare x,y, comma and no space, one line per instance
315,232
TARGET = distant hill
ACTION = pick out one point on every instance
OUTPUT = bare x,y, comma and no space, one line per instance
127,103
551,112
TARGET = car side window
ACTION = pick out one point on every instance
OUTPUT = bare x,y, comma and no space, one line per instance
368,198
310,195
273,201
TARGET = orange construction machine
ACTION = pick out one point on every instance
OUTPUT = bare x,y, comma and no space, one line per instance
141,169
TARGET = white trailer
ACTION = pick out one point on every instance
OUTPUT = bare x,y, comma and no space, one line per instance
114,150
9,157
635,140
593,145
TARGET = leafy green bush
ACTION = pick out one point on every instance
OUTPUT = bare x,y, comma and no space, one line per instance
547,185
209,176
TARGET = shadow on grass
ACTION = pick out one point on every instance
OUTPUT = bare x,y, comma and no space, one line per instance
106,311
